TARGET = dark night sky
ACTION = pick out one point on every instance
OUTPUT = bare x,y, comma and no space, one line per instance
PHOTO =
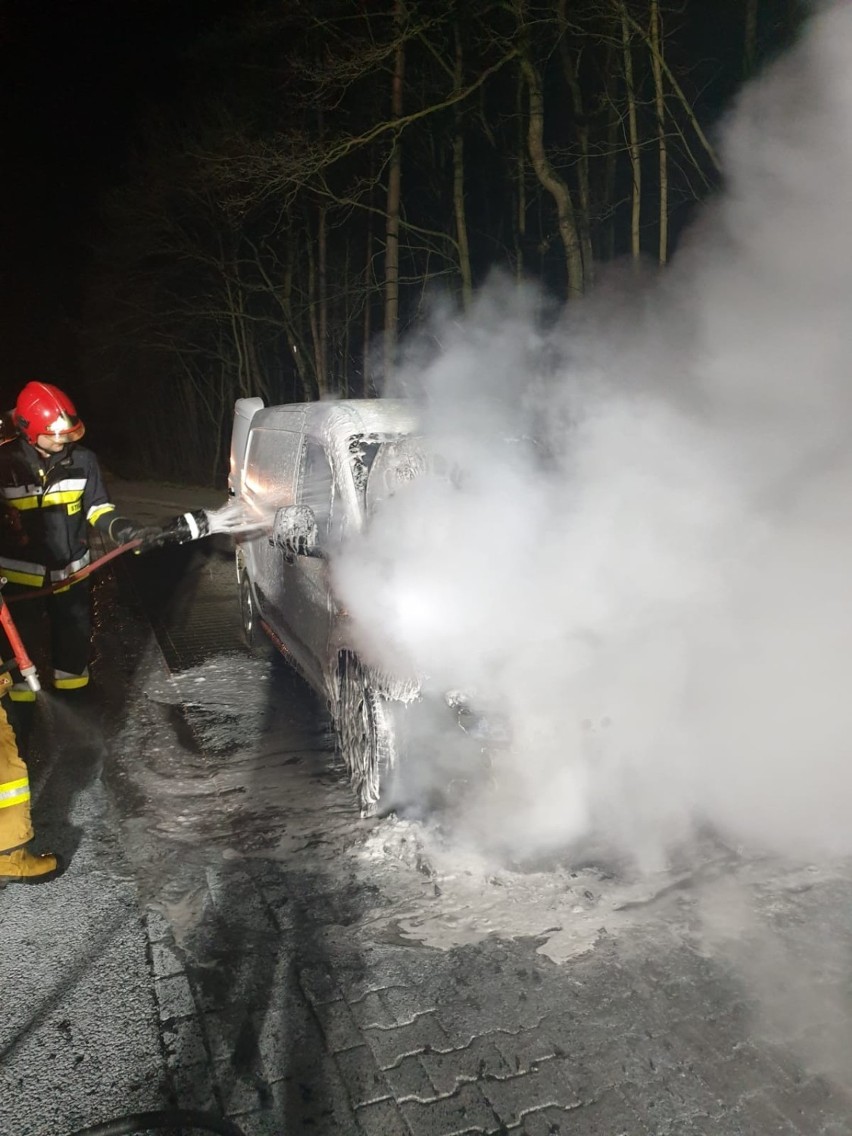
78,74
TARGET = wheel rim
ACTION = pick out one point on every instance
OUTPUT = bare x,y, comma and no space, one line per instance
356,729
366,742
248,607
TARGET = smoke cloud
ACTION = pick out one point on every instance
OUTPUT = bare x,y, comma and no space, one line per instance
641,554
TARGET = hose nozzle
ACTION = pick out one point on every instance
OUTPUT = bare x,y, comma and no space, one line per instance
25,665
186,527
30,677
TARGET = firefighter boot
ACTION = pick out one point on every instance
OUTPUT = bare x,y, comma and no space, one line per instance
23,867
65,680
20,692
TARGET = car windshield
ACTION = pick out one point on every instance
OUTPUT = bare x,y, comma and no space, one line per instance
382,464
364,449
398,461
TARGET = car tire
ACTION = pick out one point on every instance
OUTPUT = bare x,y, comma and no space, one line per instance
248,611
366,735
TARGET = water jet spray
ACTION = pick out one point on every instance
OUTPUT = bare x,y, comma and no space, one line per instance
199,523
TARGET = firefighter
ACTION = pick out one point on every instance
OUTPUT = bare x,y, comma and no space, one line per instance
17,863
51,491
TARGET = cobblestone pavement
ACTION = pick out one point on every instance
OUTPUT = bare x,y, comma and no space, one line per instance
721,1007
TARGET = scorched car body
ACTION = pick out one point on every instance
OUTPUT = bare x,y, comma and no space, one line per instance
311,472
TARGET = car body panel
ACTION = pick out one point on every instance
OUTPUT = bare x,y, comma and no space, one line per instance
307,454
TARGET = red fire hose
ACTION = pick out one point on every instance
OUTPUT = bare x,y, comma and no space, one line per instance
23,662
77,576
186,527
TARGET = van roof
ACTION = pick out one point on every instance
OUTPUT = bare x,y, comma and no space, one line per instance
343,416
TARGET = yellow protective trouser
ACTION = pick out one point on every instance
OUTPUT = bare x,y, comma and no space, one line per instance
15,824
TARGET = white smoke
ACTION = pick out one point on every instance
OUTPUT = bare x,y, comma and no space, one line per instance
658,592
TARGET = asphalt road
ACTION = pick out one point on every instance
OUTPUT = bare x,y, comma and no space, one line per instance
221,940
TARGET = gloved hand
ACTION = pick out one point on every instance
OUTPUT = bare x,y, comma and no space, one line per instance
152,536
122,530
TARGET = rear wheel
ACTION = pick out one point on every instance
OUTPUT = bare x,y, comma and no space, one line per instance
366,736
248,611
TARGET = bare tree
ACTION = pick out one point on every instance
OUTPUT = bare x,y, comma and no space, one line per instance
750,37
662,142
394,199
544,169
572,81
633,145
459,210
278,254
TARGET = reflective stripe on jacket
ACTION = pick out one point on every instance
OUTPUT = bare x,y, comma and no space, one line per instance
47,505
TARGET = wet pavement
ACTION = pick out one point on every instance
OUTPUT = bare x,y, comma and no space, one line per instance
230,936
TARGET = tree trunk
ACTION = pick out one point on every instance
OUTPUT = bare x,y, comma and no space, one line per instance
246,375
348,316
582,128
458,188
633,148
521,215
750,41
613,130
322,303
660,104
313,315
368,308
629,23
394,202
284,295
552,182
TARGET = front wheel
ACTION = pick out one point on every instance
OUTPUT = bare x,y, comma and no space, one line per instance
366,736
248,611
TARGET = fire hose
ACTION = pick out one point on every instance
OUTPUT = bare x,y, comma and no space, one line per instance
187,527
180,530
76,577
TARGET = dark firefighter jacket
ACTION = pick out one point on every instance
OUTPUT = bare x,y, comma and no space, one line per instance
46,505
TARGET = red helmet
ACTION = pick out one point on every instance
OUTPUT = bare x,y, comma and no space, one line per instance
45,409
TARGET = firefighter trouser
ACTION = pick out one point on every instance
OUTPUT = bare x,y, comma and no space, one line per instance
68,613
15,823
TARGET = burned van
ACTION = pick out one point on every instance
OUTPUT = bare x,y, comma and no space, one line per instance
311,473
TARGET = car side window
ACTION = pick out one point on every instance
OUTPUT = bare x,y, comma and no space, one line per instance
272,466
318,486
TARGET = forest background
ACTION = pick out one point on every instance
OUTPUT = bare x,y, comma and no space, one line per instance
315,176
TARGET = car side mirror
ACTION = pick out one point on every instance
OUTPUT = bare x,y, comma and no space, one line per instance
295,532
